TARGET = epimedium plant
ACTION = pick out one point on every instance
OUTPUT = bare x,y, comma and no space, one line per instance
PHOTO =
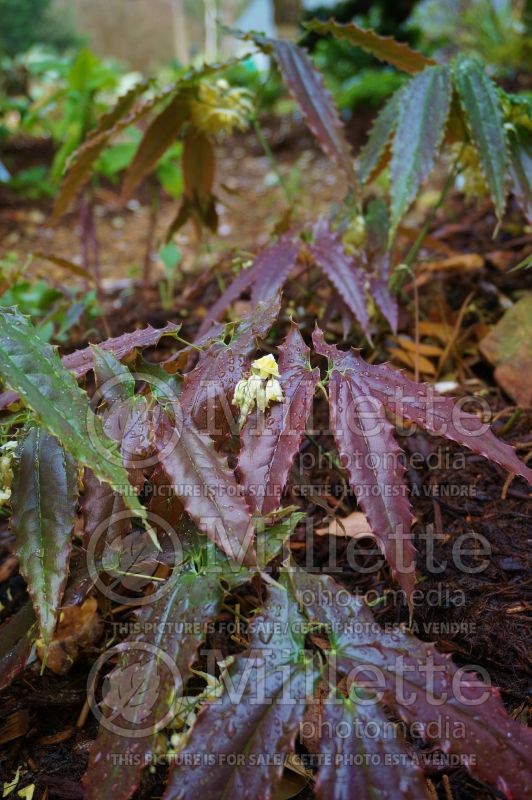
485,131
175,152
456,104
148,425
487,136
325,248
218,426
191,108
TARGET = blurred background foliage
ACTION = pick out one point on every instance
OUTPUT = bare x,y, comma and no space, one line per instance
29,22
64,63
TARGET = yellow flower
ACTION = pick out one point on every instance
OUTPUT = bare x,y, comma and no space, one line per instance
265,367
6,471
471,180
220,108
260,389
355,235
274,392
516,112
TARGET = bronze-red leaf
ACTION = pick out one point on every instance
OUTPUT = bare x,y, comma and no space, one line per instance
269,443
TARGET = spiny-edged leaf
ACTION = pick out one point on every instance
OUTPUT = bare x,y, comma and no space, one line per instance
79,168
162,131
387,302
176,625
388,766
329,254
200,477
267,276
378,226
358,392
442,416
273,266
521,169
208,388
16,641
81,361
122,106
457,712
44,511
35,371
114,381
80,165
254,724
481,104
423,112
385,48
372,459
372,157
306,86
269,443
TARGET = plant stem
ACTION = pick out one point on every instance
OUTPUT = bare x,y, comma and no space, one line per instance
90,252
416,247
271,158
152,226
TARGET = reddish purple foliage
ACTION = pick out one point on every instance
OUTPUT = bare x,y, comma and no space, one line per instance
359,394
208,388
329,254
269,445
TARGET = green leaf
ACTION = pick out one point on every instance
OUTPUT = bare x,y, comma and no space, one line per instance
372,157
521,169
35,371
82,361
113,379
423,114
480,102
44,511
385,48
